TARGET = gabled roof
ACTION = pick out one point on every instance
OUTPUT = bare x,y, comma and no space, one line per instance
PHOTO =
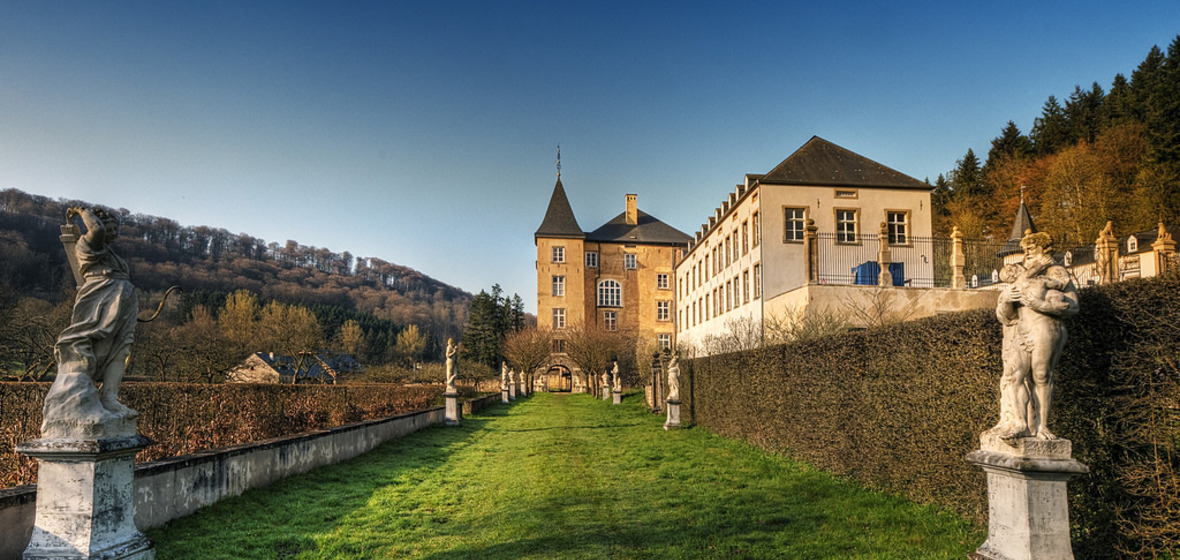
822,163
559,218
1021,224
648,230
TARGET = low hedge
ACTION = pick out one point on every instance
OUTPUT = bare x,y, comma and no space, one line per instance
897,408
188,417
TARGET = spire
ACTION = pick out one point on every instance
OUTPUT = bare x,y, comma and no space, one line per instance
559,162
559,218
1021,225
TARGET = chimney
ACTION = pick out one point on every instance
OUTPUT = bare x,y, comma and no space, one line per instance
632,210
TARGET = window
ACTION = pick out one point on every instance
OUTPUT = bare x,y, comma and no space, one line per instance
845,226
629,261
558,346
664,341
696,314
757,280
717,301
728,296
1132,244
661,281
728,254
898,224
845,194
757,229
735,245
559,254
558,318
558,286
745,237
591,260
663,310
610,294
610,320
793,223
746,286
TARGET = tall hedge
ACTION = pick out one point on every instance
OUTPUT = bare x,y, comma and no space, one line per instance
188,417
898,408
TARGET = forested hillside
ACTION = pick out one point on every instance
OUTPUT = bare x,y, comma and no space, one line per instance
377,300
1096,156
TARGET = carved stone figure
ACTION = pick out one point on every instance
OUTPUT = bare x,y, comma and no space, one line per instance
618,380
95,347
1030,309
674,379
452,352
503,376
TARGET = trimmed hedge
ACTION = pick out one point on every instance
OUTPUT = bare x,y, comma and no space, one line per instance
898,408
188,417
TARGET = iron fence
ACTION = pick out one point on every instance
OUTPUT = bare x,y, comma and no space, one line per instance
923,262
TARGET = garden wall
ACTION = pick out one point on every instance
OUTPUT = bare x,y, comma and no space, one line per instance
897,408
186,418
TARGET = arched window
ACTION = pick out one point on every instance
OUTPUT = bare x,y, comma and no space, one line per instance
610,294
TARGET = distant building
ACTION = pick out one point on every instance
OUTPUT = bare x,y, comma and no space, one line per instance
262,367
618,277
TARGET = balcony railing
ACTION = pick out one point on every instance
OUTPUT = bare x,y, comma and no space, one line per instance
921,262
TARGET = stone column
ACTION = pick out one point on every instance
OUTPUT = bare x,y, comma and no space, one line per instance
1164,249
884,257
454,414
504,395
811,246
1028,516
86,499
958,260
1106,255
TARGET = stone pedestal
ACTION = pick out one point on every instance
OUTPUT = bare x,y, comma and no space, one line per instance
512,391
673,421
86,499
504,396
454,414
1028,515
618,397
605,394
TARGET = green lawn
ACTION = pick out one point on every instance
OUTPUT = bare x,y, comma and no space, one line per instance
565,476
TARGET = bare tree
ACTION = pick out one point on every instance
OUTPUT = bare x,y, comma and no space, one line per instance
591,349
528,349
797,323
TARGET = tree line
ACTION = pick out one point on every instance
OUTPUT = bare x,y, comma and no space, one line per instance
1095,156
389,304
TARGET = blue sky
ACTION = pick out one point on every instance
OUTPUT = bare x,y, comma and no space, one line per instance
425,133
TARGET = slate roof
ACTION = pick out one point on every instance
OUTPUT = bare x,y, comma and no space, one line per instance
648,230
1022,223
559,218
822,163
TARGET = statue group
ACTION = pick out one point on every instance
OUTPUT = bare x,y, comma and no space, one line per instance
1040,294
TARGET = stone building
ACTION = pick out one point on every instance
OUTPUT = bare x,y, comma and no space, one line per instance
809,235
618,277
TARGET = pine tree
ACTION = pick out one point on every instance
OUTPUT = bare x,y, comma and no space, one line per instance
1011,143
1050,132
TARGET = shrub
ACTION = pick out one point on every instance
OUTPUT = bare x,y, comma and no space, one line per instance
897,408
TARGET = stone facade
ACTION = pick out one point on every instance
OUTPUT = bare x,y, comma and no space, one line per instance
617,277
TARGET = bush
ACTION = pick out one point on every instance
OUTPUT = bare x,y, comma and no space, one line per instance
897,408
185,418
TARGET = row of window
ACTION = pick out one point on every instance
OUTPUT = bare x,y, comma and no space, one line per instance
727,252
629,259
663,342
723,299
611,318
558,289
847,220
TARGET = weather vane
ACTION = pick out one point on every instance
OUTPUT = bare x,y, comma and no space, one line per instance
559,161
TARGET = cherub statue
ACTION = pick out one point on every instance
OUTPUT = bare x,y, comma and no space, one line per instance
96,345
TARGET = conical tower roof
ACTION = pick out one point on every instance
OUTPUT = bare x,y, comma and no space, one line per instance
559,218
1021,224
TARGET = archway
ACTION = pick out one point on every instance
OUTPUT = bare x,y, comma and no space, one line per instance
559,379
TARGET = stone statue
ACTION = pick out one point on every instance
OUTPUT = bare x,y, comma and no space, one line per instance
452,352
1031,309
618,380
674,379
512,376
503,376
96,345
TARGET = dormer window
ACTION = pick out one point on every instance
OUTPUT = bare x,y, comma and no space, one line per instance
1132,244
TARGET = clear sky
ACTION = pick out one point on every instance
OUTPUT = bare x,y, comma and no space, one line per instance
425,133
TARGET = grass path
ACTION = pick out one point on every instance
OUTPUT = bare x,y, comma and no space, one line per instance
565,476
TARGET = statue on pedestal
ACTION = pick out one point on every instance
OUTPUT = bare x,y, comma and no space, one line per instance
615,375
96,345
1031,309
674,379
503,376
452,354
